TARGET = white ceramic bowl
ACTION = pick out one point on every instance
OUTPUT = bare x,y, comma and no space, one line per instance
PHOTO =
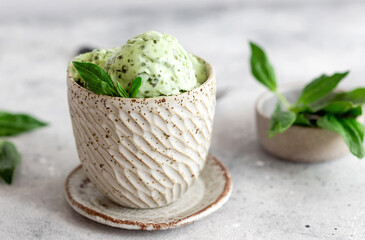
143,153
300,144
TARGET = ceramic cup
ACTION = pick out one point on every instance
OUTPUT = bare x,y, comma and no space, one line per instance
300,144
143,153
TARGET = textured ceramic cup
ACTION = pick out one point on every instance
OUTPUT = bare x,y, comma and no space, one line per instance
143,153
300,144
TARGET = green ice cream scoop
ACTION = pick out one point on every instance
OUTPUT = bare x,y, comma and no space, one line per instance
199,68
98,57
165,67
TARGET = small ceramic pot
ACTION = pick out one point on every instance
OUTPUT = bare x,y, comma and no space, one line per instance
300,144
143,153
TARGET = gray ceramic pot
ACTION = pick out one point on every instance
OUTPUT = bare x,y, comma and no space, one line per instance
300,144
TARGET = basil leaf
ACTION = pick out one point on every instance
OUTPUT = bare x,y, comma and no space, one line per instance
123,93
303,119
339,107
358,126
136,84
356,96
320,103
261,68
108,90
320,87
13,124
353,126
280,121
354,112
349,131
9,160
93,76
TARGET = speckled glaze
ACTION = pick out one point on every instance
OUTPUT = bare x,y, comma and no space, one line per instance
299,144
143,153
212,189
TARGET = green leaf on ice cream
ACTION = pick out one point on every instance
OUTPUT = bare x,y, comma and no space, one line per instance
136,84
98,81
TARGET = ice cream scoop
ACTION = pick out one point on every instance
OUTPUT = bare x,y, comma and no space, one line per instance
199,68
97,56
165,67
158,58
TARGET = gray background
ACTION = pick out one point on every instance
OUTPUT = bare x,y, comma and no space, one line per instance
272,199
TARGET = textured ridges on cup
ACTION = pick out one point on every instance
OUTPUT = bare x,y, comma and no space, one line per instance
142,153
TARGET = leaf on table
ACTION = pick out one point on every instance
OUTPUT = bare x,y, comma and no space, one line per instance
261,68
349,129
9,160
280,121
319,88
12,124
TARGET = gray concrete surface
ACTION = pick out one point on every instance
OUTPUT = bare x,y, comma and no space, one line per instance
272,199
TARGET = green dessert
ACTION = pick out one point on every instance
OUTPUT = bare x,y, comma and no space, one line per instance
199,68
158,59
98,57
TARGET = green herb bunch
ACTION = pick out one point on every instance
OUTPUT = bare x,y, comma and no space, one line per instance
100,83
11,125
317,106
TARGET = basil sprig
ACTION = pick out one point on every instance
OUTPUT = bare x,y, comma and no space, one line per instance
100,83
317,106
11,125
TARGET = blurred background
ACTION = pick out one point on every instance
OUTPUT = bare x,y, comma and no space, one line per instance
303,38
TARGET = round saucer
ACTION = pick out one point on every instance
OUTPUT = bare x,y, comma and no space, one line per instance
211,190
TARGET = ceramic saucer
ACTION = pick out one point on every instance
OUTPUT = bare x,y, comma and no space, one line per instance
212,189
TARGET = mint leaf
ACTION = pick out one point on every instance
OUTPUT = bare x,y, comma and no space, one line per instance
280,121
349,130
123,93
94,76
136,84
319,88
13,124
261,68
9,160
